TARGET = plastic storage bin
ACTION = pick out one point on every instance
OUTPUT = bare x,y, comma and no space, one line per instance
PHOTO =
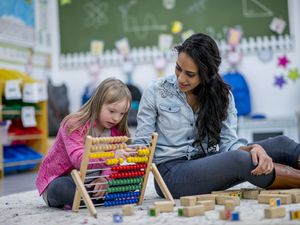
19,154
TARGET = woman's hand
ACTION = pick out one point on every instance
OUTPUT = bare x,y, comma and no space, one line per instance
124,153
261,159
100,186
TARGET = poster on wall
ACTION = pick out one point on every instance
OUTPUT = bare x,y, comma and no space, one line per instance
17,22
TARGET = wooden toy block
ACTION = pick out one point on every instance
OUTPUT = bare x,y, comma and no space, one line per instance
220,199
206,197
250,193
273,202
224,214
190,211
295,215
228,192
265,198
208,204
188,200
154,211
164,206
117,218
229,205
295,193
275,212
128,210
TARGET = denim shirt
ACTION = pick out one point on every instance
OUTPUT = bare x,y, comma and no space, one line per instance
164,109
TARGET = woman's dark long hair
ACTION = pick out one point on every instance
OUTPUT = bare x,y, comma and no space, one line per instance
212,93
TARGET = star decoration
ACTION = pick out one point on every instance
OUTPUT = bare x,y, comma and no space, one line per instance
279,81
294,74
283,61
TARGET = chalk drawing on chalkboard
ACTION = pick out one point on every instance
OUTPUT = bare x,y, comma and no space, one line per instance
169,4
256,10
196,7
95,14
130,23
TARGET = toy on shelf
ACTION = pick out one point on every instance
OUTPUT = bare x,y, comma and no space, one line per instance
127,179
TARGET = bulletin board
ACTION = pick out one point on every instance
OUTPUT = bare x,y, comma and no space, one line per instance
142,21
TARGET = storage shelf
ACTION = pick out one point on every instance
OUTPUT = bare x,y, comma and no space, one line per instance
25,137
21,163
17,112
37,141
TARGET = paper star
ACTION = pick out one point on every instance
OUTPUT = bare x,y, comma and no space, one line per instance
294,74
279,81
283,61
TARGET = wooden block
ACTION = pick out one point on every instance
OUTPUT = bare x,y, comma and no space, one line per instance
295,193
275,212
265,198
250,193
220,199
153,211
206,197
190,211
227,192
229,205
208,204
128,210
188,200
224,214
164,206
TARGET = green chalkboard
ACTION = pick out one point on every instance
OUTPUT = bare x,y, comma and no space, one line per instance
142,21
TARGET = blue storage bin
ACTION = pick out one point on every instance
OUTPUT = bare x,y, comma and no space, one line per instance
18,154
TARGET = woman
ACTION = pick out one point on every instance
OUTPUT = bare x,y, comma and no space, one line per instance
198,150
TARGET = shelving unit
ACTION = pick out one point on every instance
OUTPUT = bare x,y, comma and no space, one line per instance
38,142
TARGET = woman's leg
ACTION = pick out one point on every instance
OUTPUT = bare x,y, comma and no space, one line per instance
61,191
217,172
285,154
282,150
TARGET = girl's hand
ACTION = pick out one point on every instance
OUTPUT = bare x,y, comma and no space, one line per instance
124,153
100,186
261,159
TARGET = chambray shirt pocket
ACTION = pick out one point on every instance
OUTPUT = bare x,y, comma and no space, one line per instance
169,117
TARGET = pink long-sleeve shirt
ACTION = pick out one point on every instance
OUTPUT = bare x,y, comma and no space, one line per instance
65,155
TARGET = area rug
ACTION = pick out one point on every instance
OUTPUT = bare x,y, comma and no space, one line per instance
28,208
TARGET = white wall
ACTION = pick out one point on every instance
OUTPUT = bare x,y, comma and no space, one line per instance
266,98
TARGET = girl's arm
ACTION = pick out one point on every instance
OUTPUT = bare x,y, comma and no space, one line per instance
74,144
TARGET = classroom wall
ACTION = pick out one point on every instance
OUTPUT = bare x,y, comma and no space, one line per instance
266,98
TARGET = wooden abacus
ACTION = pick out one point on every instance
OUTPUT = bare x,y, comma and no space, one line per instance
127,180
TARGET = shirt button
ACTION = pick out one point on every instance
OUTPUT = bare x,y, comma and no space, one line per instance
188,138
191,124
169,109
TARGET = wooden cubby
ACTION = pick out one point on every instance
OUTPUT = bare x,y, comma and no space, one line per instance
38,142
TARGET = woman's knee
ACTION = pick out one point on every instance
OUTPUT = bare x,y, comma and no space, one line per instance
242,158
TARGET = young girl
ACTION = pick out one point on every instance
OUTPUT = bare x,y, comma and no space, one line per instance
105,114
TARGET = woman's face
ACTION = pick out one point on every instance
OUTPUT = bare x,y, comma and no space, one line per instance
187,73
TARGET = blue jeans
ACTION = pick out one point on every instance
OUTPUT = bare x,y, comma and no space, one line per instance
224,170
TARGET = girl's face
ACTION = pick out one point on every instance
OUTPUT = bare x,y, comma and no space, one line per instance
187,73
111,114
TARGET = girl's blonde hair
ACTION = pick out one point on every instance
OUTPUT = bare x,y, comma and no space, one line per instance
110,90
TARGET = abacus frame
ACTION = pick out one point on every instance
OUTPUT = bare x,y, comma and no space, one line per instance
79,177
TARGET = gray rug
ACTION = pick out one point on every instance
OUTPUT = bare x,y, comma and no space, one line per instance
28,208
